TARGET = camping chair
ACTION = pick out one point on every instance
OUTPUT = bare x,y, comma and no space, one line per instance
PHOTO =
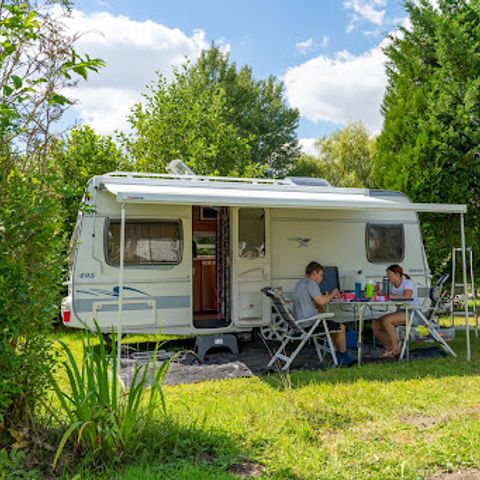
429,318
299,331
439,302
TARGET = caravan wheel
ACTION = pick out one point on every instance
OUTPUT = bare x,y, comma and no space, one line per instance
275,330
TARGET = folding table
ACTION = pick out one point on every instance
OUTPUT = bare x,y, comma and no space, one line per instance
411,310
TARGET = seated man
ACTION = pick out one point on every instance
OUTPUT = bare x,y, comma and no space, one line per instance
307,297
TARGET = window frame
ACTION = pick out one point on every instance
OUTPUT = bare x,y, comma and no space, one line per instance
110,221
384,225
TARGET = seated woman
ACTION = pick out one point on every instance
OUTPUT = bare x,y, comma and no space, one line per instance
384,328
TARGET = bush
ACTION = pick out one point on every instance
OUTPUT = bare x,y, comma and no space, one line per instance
31,264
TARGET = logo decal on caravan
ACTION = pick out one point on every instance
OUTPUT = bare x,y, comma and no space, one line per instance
302,242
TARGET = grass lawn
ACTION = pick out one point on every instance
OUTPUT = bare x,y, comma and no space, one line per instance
377,421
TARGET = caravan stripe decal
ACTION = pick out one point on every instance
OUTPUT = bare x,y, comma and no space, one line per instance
82,305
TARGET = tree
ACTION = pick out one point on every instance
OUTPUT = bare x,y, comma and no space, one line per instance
80,156
310,166
256,107
187,121
430,144
216,118
345,158
37,60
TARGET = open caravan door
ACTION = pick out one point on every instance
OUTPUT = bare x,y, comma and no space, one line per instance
251,266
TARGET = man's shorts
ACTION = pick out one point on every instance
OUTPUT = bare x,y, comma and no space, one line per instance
331,325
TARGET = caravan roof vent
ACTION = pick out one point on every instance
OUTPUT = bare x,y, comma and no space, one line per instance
177,167
308,181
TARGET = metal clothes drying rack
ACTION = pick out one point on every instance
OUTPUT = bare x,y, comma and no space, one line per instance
470,307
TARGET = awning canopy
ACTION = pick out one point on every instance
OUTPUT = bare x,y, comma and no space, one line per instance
272,196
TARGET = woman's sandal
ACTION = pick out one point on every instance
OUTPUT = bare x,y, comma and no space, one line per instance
387,354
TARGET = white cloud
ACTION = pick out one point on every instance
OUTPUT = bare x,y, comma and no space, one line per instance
305,46
372,11
339,89
310,45
308,146
133,51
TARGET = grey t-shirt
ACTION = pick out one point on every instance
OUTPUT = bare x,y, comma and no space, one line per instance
303,303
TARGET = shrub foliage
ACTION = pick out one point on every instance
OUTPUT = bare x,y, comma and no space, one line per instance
37,60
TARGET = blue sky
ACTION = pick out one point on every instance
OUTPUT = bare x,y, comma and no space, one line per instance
328,52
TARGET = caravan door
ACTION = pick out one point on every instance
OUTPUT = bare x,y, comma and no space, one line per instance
251,266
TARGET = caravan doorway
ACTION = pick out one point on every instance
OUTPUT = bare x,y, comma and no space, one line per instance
211,251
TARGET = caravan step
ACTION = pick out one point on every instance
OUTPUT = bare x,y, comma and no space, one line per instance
203,343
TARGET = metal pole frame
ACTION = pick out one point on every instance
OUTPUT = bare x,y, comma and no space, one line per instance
465,292
120,287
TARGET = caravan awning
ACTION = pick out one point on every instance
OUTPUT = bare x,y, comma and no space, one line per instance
271,196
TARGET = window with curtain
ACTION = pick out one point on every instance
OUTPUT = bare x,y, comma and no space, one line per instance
146,242
385,243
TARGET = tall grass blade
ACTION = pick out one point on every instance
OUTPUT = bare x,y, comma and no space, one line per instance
63,441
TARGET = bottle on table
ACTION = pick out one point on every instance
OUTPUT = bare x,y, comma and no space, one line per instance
369,289
386,287
359,280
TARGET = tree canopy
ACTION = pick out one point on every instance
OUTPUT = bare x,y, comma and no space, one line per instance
78,157
345,158
215,117
430,144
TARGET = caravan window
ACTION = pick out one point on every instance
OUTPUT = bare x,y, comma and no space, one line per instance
251,232
146,242
385,243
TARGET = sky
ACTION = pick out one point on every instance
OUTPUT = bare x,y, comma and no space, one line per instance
328,53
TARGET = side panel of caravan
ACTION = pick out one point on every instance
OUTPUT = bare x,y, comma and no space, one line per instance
157,273
344,239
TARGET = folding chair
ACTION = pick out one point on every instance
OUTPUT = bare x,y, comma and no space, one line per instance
439,303
429,319
299,331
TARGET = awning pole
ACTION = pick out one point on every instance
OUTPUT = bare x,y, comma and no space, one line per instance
465,292
120,287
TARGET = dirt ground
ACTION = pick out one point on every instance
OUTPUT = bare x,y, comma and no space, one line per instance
458,475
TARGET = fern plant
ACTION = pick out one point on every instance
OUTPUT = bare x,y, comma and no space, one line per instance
101,415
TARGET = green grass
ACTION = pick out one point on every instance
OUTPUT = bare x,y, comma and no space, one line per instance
377,421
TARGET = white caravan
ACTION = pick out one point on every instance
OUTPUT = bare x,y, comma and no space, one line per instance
191,253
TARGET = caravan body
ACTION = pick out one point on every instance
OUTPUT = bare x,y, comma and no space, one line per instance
197,250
